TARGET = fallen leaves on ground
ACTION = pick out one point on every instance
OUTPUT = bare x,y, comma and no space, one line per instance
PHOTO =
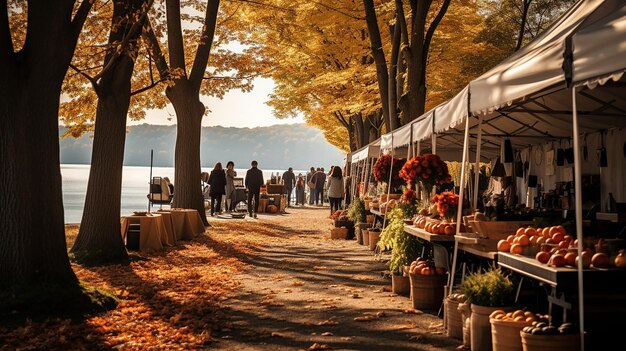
317,346
369,316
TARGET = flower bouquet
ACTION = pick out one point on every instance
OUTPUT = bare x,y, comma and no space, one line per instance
428,170
409,197
447,204
381,171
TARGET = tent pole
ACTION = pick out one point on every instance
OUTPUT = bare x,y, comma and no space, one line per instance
579,217
459,211
389,184
477,166
150,181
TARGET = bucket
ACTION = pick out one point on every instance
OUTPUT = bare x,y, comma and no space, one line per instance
400,284
505,335
480,331
374,237
532,342
454,325
366,237
427,290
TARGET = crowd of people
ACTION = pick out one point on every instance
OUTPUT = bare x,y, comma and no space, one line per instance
321,187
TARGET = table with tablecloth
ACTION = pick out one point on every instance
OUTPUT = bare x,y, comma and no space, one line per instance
185,223
152,231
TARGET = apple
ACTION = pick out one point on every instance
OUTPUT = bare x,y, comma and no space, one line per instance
557,260
620,259
570,258
586,257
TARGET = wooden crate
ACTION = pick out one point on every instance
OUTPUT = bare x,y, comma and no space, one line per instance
497,230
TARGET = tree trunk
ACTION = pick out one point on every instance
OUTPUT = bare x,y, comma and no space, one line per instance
393,73
522,27
359,130
382,76
99,238
32,231
189,113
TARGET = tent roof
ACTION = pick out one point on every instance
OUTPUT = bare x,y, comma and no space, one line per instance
599,48
534,67
365,152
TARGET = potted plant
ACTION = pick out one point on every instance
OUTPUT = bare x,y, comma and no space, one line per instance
404,247
356,213
486,292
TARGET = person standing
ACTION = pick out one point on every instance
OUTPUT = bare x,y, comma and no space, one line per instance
289,181
230,185
254,181
335,189
319,179
300,189
309,177
217,181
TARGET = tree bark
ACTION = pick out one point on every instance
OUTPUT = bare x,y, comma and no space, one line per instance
32,231
189,111
393,73
99,238
382,76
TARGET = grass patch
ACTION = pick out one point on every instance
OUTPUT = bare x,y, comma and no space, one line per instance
40,301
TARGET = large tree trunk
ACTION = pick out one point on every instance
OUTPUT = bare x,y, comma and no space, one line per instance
189,113
32,232
382,76
99,238
393,73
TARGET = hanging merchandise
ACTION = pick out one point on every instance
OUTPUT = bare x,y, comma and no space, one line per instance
602,157
519,165
508,151
560,156
498,169
550,162
569,154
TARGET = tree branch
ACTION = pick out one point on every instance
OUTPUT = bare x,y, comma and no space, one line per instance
93,81
406,48
338,11
204,47
80,17
141,90
175,36
432,28
132,34
155,48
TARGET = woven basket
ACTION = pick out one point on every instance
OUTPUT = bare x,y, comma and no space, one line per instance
339,233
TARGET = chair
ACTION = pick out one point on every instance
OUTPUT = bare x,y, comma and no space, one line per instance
159,192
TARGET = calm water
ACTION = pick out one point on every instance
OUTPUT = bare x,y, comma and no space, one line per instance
134,187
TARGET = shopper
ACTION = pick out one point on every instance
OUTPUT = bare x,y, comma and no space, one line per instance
335,189
289,181
254,181
300,189
309,177
230,185
217,181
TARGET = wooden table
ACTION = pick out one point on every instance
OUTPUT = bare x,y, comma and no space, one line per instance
152,232
485,248
378,217
424,235
186,223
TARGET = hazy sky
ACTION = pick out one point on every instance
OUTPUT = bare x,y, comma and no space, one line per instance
237,109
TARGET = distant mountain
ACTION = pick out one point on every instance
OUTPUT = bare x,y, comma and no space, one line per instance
275,147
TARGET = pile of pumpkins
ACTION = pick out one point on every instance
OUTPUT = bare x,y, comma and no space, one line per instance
422,266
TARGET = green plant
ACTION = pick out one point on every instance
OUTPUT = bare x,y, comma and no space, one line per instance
491,288
356,211
404,247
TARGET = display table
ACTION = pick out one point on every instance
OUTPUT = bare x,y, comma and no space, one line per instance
152,232
485,248
424,235
185,223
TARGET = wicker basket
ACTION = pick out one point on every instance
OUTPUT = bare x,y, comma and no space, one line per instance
339,233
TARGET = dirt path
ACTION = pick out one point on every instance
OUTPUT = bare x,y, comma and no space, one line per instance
302,290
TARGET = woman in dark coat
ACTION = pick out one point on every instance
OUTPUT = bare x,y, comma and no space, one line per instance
217,180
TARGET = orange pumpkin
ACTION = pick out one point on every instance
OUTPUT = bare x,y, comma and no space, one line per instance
271,209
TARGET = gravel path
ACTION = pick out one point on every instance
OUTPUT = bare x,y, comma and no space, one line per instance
301,290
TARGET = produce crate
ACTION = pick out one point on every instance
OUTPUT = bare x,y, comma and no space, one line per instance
339,233
497,229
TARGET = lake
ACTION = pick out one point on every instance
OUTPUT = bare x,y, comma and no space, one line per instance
135,182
